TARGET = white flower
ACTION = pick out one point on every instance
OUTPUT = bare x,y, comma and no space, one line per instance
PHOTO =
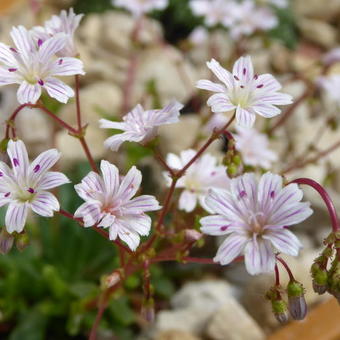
254,147
139,7
214,11
202,175
139,125
256,216
199,36
331,88
34,66
64,23
24,186
109,204
248,18
248,93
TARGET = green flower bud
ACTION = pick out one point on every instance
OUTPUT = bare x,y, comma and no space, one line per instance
232,170
296,301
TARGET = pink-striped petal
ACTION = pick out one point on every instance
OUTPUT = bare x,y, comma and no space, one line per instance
265,110
130,184
140,204
215,225
220,102
52,179
58,90
232,247
67,66
210,86
23,42
18,156
16,216
243,69
139,223
90,212
28,93
108,124
110,177
169,114
131,238
51,46
259,256
222,74
283,240
91,187
6,56
244,117
269,187
187,201
44,204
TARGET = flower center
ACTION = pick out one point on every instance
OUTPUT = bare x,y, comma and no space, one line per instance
25,195
193,184
256,223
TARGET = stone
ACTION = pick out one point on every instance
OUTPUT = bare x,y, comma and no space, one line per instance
318,31
175,335
316,9
232,322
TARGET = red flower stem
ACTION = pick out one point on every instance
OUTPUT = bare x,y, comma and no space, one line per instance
88,154
103,302
98,230
285,265
325,196
277,275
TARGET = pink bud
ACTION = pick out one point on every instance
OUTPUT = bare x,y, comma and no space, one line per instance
192,235
6,241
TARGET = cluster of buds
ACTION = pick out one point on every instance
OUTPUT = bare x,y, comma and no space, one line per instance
296,306
325,279
232,159
7,241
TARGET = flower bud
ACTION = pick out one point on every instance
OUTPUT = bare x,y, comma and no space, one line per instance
296,301
320,279
22,241
232,170
110,280
279,307
6,241
192,235
334,279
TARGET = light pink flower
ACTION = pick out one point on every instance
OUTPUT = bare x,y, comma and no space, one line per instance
214,11
65,22
109,204
199,36
248,18
244,91
331,88
203,175
256,217
139,7
332,56
139,125
25,186
254,147
33,65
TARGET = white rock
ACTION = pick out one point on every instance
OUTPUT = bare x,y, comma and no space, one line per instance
232,322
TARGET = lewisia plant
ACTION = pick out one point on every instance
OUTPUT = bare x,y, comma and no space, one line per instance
206,191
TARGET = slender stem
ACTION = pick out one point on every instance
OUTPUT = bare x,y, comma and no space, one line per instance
285,265
163,163
325,196
285,115
314,159
88,154
101,308
78,102
98,230
212,138
277,275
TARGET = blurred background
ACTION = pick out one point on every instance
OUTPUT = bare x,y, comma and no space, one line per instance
50,280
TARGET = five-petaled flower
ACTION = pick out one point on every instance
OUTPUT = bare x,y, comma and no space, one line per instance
247,93
256,216
109,204
139,125
64,23
254,147
204,174
33,65
139,7
24,186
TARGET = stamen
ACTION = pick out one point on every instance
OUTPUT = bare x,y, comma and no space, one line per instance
41,82
242,87
7,194
30,190
242,194
15,162
272,194
40,42
13,49
60,61
244,71
259,86
256,76
224,228
36,168
12,69
237,78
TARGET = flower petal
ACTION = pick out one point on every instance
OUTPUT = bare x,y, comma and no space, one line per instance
265,110
283,240
44,204
91,186
215,225
244,117
52,179
111,178
269,187
67,67
210,86
232,246
90,213
108,124
139,223
220,102
16,216
115,141
18,156
58,90
51,46
222,74
243,69
141,204
131,238
28,93
130,184
259,256
169,114
187,201
24,43
6,55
